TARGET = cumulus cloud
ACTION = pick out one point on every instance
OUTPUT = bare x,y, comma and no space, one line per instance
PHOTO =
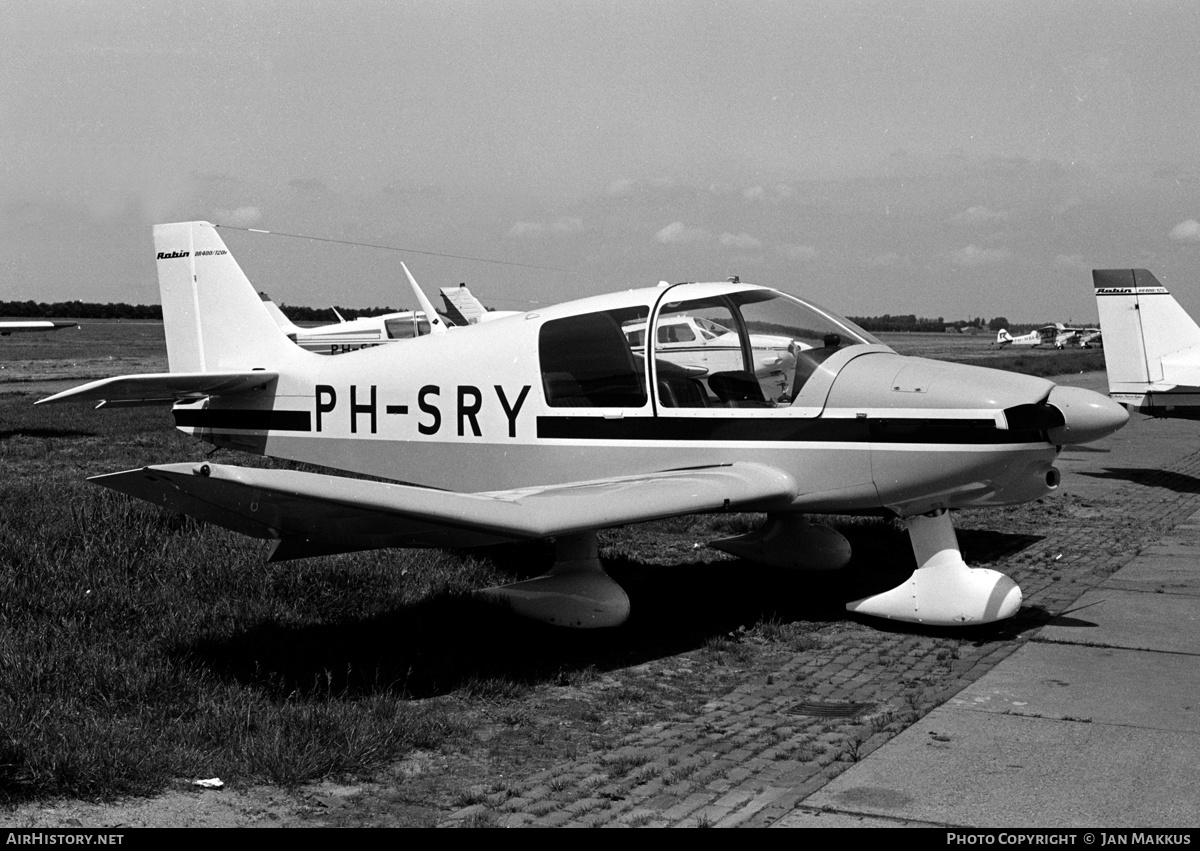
1072,261
797,252
678,233
973,255
1188,231
778,192
520,229
980,216
309,184
241,217
622,186
566,224
739,240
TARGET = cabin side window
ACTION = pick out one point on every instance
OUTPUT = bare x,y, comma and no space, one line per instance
400,328
587,361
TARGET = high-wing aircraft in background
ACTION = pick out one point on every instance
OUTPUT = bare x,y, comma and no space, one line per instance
1033,338
362,333
22,327
1058,335
1151,346
549,425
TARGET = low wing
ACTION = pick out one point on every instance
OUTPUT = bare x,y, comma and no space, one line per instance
7,328
314,514
163,388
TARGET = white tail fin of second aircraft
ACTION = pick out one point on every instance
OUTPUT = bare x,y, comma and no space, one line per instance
214,319
1151,345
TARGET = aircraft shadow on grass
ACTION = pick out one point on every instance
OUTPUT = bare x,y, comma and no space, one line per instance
6,434
449,642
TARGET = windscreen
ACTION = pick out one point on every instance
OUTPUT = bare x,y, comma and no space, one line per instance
753,348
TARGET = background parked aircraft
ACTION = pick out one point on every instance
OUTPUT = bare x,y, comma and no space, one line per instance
1057,335
1033,338
368,331
7,328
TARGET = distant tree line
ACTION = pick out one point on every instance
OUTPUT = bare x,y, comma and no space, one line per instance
121,310
326,314
79,310
913,323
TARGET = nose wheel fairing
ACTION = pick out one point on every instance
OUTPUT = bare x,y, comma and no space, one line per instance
943,590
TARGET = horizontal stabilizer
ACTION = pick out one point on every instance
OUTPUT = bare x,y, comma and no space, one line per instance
316,514
163,387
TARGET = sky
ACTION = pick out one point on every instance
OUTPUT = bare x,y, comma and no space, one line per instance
954,159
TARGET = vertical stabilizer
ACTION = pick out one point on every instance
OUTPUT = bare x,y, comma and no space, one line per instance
213,318
1151,345
461,306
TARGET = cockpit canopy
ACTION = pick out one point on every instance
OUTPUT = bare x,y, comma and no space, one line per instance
714,345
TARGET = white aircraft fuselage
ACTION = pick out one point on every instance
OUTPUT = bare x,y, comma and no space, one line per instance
858,436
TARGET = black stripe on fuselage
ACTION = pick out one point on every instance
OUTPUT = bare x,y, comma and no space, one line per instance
232,418
682,429
744,429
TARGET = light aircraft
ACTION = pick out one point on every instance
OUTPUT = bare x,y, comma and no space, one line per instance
549,425
365,332
1058,335
1152,346
1003,338
7,328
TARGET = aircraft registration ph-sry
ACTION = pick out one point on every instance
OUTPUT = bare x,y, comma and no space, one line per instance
1152,346
549,424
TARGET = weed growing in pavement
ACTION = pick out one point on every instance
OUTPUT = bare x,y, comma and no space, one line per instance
487,818
619,766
